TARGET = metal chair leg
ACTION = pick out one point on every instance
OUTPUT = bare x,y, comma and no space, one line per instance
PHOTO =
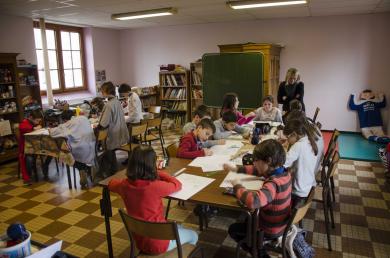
58,170
167,211
327,226
74,178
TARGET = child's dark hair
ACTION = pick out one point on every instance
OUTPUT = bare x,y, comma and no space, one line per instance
98,102
66,115
142,164
270,151
229,116
36,113
124,88
301,128
295,105
268,98
108,88
201,113
367,91
229,100
207,123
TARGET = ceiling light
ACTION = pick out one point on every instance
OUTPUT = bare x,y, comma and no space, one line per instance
144,14
263,3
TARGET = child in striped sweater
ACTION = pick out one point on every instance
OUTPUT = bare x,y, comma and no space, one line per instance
273,198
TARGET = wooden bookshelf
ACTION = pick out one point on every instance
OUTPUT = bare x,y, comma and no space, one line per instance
29,86
10,109
196,89
174,94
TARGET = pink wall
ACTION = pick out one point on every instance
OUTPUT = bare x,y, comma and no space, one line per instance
336,55
106,54
17,36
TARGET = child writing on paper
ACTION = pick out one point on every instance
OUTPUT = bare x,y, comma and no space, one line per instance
191,144
303,156
227,125
142,193
200,113
369,108
81,138
29,124
273,198
267,112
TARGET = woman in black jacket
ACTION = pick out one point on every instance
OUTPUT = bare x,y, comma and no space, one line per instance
290,89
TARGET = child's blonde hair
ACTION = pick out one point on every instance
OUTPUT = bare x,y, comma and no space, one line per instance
292,71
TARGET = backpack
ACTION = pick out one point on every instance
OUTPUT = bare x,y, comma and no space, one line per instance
301,247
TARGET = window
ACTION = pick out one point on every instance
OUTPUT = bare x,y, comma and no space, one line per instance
66,62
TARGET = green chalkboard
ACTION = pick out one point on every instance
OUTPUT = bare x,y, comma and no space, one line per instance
241,73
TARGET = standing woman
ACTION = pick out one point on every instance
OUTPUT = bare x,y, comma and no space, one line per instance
290,89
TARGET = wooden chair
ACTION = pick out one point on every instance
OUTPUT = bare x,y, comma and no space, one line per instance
155,110
327,160
135,132
156,230
297,214
154,132
316,114
322,195
172,149
101,138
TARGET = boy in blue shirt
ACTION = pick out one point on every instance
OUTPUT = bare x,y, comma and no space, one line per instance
368,108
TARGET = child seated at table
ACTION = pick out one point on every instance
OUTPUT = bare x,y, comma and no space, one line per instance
191,144
230,103
295,105
227,125
134,105
142,193
267,112
200,113
27,162
97,105
81,138
369,108
273,198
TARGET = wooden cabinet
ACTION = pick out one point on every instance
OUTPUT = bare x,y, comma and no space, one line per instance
19,93
271,65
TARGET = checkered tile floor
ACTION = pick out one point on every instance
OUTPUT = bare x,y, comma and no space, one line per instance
52,212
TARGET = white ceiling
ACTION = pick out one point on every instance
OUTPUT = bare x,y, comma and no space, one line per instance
98,12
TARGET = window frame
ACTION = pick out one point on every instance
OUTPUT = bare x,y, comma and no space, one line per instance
60,64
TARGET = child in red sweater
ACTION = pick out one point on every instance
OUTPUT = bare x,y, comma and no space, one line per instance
142,193
190,146
29,124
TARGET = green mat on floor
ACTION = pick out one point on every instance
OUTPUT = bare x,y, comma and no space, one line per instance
355,147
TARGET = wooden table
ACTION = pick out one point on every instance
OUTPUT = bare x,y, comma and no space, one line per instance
42,144
211,195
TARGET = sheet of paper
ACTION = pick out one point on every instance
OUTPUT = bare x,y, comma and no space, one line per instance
211,163
42,131
248,181
191,185
47,252
229,148
235,137
5,128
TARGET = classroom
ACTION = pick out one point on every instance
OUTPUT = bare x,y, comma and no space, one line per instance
194,128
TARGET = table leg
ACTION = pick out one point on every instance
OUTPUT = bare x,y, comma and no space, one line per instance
74,178
69,178
106,211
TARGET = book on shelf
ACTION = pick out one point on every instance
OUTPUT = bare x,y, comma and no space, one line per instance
174,79
196,79
197,94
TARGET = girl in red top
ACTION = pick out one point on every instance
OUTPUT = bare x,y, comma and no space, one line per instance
142,193
29,124
230,103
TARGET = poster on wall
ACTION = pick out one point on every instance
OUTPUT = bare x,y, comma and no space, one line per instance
100,78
